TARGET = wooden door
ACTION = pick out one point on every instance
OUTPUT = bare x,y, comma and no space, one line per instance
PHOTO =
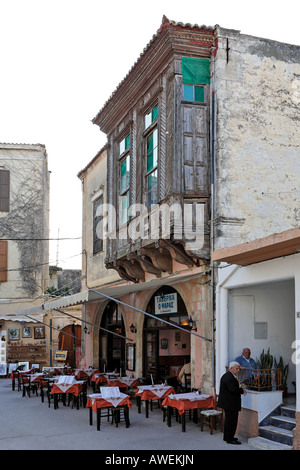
70,343
151,354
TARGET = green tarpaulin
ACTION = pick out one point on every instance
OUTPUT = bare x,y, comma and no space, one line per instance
195,71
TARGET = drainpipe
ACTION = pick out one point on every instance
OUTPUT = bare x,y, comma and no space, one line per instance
212,218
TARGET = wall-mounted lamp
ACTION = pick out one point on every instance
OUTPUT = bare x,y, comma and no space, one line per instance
192,324
132,328
86,332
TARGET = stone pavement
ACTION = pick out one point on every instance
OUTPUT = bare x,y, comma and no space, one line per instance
28,424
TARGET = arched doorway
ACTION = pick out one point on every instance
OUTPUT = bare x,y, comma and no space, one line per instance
72,343
166,348
112,347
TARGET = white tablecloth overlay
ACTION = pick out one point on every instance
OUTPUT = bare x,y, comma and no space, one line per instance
192,396
115,401
158,390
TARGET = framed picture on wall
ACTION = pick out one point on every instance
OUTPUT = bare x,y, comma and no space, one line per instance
130,356
39,332
27,332
14,333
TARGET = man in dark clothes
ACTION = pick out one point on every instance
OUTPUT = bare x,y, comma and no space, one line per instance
230,400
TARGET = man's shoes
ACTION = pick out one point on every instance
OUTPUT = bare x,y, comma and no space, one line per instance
234,441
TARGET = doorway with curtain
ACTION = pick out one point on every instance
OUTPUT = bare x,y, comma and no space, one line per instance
165,348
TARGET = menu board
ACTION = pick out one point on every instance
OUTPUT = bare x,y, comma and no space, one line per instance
110,392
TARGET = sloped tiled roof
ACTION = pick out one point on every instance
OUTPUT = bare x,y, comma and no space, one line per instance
165,23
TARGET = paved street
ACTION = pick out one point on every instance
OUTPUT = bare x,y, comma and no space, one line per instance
27,423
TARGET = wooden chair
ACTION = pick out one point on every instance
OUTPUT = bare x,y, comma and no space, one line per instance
120,413
211,417
81,399
28,386
187,382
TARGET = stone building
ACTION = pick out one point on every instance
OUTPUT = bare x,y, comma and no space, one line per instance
201,156
24,234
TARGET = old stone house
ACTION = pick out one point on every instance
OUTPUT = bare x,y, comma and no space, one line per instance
201,155
24,252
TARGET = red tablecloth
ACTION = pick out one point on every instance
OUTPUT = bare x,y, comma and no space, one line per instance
82,373
21,372
101,403
75,388
122,384
154,393
184,404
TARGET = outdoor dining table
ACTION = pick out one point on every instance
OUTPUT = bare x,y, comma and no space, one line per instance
152,392
102,378
82,373
64,385
186,401
61,370
123,382
97,402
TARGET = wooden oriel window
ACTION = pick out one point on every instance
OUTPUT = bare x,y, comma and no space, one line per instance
151,136
124,153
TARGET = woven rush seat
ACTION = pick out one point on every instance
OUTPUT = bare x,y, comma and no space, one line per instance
211,417
211,412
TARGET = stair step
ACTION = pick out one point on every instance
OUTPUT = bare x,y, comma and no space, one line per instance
265,444
288,410
283,421
284,436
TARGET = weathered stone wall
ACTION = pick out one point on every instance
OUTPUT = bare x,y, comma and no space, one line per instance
258,140
94,186
26,224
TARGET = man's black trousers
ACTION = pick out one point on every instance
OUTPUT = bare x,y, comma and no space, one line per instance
230,425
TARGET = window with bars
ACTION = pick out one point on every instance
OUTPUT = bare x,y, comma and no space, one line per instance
151,156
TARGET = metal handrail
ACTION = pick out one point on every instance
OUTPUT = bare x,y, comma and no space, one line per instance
261,379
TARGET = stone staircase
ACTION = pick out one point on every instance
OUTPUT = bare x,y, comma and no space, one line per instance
277,432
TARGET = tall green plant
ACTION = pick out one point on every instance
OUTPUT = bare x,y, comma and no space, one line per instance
284,370
266,360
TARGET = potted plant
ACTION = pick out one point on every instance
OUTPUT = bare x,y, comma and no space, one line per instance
284,374
265,363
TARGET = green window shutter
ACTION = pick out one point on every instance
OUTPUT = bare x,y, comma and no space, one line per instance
195,71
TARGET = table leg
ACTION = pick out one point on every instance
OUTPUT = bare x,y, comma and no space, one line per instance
169,416
91,416
147,408
183,422
55,401
138,402
126,411
98,418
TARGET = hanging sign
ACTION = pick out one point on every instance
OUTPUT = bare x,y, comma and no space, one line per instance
61,355
166,304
